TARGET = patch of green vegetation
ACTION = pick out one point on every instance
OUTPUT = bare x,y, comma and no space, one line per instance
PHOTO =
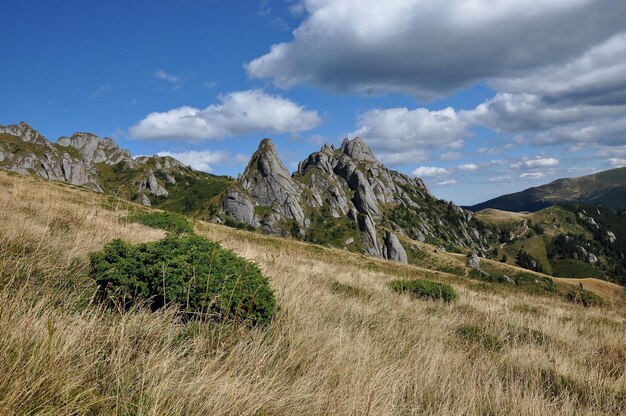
194,192
478,337
195,275
262,211
16,146
575,268
584,297
327,230
424,289
526,261
168,221
535,247
533,283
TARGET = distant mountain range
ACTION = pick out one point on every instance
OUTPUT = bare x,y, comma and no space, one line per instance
606,189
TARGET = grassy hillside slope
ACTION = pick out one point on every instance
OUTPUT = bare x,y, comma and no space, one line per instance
561,238
342,343
607,188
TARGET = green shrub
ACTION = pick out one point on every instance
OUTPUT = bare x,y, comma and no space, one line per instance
195,275
168,221
584,297
424,289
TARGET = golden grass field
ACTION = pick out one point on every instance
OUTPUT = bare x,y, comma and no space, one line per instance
342,343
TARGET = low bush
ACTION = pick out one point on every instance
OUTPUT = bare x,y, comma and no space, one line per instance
195,275
424,289
584,297
168,221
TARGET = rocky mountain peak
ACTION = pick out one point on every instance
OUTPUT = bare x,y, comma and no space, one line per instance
267,180
264,162
94,150
358,150
25,132
344,192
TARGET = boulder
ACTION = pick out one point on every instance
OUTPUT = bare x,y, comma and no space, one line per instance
238,206
473,260
393,249
609,235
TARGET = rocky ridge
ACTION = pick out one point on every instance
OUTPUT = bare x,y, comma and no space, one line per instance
349,195
85,159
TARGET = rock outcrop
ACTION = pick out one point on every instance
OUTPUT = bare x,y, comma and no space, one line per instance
393,249
84,159
346,184
473,260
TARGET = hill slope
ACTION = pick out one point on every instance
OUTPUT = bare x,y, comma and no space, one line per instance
565,241
342,343
606,188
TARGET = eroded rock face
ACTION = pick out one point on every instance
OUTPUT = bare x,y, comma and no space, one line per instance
25,132
79,160
71,159
268,183
346,183
239,206
393,249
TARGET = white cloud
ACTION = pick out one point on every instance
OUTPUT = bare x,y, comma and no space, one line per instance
204,160
431,48
468,167
447,182
617,162
239,113
536,163
396,134
532,175
161,74
428,171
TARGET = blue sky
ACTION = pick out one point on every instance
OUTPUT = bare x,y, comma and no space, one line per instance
477,97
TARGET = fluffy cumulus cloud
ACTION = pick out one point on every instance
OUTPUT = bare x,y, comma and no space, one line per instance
395,134
237,114
429,171
539,162
532,175
204,160
432,48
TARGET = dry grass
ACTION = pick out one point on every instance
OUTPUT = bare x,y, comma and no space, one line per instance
343,343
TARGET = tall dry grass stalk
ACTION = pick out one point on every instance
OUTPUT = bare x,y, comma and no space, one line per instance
342,343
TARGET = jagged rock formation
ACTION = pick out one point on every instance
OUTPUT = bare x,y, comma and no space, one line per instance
346,194
84,159
72,159
393,250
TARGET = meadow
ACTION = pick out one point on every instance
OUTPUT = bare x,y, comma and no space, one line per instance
342,342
